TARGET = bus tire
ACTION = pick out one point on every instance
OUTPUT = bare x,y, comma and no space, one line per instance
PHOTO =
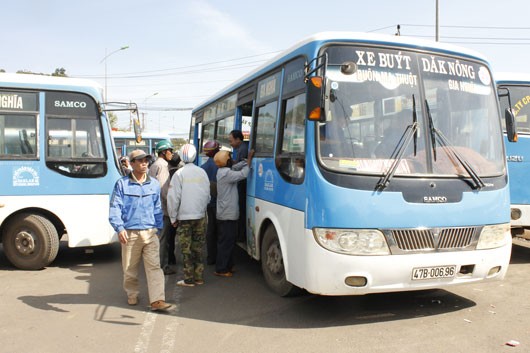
273,267
30,242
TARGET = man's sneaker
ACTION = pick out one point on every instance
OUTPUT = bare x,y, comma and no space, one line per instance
161,305
185,283
132,300
223,274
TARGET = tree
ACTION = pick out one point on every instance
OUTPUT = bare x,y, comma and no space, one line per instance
61,72
113,119
2,70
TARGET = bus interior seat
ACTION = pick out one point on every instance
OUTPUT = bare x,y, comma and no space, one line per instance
25,146
369,145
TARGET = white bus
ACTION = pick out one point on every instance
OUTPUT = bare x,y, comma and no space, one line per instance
57,165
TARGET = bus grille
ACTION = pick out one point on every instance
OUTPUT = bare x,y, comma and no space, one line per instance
433,239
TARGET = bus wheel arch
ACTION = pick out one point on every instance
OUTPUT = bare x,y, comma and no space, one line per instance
30,240
272,264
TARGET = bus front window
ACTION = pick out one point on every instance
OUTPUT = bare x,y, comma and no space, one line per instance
75,147
373,108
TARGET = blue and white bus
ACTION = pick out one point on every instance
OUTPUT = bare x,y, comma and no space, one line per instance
379,165
518,154
57,167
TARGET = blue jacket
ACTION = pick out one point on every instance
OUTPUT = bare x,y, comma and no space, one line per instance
211,170
136,206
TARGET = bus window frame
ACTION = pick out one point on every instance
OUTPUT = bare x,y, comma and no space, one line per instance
77,167
29,157
291,157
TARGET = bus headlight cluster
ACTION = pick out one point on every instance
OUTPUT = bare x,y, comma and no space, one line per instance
352,241
494,236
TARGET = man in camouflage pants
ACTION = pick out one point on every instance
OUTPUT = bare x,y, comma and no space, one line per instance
187,199
191,235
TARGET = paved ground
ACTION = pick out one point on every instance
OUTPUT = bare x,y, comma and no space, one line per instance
77,305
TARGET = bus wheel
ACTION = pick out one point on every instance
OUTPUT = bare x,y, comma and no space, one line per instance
30,242
272,265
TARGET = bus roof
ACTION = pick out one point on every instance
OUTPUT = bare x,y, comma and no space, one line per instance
512,77
30,81
315,41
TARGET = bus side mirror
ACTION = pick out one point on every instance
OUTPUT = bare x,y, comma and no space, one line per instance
511,130
315,97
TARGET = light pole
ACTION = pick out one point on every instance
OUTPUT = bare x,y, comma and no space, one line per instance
105,60
143,114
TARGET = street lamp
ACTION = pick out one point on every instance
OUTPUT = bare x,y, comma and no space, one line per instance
152,95
143,102
105,60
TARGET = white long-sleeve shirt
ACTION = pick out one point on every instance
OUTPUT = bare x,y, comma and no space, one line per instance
188,194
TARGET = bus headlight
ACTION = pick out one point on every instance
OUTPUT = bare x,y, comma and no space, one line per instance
352,241
494,236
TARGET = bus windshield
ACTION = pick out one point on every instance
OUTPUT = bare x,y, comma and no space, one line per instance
520,107
371,107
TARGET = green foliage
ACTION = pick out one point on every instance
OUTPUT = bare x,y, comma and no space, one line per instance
113,118
59,72
178,142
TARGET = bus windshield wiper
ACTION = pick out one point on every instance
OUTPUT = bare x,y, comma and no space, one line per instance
410,133
444,142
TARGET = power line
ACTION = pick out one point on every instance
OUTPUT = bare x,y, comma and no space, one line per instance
203,65
467,27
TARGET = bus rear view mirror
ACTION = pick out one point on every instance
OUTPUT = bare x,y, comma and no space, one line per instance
315,95
511,130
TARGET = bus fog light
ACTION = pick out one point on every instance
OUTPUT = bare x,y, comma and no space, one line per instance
352,241
515,214
494,236
494,271
356,281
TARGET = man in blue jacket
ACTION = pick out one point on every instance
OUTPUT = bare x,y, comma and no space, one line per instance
136,215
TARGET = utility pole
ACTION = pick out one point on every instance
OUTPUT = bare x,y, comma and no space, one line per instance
437,22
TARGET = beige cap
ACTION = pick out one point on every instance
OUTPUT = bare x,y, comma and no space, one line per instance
138,154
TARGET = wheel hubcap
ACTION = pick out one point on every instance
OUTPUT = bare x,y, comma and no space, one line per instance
274,258
24,243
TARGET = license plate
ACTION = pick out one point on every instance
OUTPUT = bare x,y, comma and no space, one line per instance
419,273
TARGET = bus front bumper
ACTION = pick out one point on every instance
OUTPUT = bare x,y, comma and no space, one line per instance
328,273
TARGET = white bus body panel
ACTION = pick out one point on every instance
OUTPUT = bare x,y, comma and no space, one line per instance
323,272
524,221
85,217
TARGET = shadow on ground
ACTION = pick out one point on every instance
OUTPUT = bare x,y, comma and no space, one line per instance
241,300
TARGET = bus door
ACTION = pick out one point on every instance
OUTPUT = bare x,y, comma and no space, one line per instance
244,122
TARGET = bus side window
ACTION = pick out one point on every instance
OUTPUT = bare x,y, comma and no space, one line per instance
290,160
265,129
17,136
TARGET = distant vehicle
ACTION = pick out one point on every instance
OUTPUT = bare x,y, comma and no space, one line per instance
379,165
518,154
57,166
125,142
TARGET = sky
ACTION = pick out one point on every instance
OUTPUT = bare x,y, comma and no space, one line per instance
182,52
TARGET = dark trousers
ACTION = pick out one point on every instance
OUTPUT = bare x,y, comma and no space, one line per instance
242,222
211,236
226,240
